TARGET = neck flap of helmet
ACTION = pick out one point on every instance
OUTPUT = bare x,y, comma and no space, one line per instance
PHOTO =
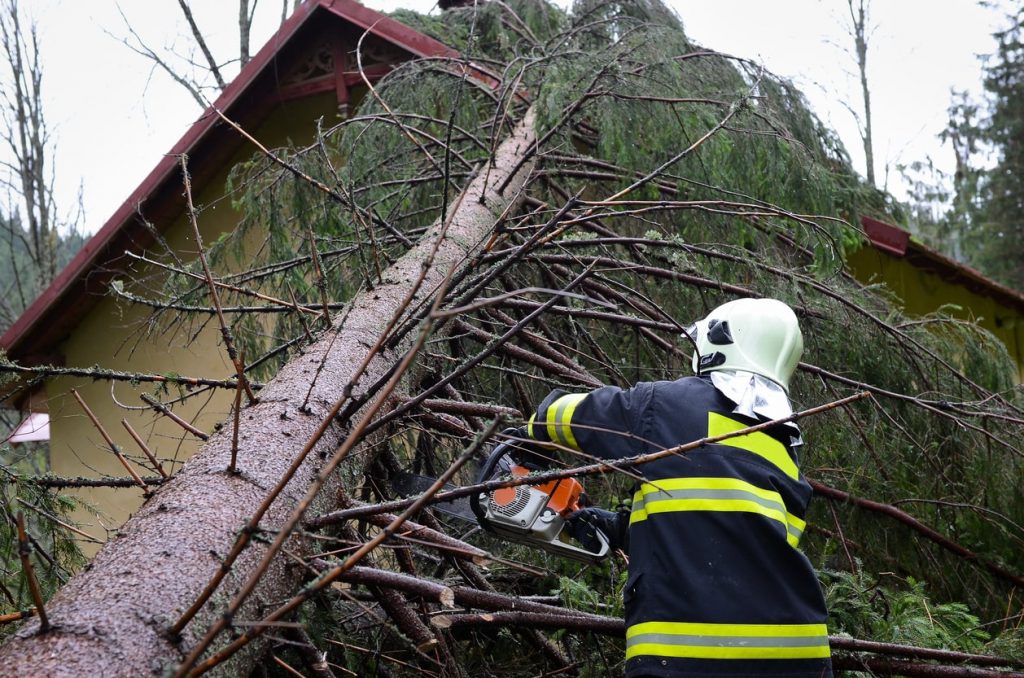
755,397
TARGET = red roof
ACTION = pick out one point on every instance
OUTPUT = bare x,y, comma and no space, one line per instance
897,242
78,287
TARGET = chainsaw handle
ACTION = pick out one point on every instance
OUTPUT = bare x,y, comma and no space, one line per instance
486,471
603,549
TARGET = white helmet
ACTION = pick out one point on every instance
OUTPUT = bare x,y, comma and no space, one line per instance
761,336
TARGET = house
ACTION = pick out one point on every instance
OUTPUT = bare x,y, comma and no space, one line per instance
926,280
306,71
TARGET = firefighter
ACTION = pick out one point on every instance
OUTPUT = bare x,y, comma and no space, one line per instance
716,585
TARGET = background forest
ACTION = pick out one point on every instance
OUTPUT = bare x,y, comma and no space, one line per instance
973,215
665,179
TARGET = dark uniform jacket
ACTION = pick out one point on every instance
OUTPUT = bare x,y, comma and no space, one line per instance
716,583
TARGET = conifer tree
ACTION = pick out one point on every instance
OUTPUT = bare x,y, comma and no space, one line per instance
638,180
1002,213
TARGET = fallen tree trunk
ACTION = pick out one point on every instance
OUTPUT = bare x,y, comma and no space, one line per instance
114,617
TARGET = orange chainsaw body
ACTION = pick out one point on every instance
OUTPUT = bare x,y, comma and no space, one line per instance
563,495
532,514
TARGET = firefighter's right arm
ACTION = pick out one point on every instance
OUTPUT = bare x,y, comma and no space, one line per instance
604,423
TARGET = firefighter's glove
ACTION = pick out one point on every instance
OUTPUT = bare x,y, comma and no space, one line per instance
583,526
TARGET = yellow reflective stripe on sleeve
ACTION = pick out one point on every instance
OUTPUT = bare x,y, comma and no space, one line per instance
727,641
796,529
559,417
638,510
529,427
761,444
714,494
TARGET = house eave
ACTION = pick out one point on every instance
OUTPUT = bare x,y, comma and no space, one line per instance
898,243
77,288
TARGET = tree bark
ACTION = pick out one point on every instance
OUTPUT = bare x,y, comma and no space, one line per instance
859,29
112,618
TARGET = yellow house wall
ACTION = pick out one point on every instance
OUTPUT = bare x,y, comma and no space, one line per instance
114,335
922,292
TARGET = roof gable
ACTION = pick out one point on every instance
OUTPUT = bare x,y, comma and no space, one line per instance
273,74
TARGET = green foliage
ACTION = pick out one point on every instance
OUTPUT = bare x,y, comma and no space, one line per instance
702,178
900,613
498,32
1002,252
54,549
974,214
21,275
752,136
1009,643
944,210
578,593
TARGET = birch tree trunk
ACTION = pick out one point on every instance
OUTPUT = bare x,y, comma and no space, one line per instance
112,619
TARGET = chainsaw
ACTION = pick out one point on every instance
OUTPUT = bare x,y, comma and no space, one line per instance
534,515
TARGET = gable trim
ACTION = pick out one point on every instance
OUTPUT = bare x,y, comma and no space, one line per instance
60,306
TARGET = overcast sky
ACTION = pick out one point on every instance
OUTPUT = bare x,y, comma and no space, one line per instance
113,115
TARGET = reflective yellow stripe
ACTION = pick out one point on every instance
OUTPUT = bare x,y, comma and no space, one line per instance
727,641
638,510
796,529
714,494
558,418
729,630
761,444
